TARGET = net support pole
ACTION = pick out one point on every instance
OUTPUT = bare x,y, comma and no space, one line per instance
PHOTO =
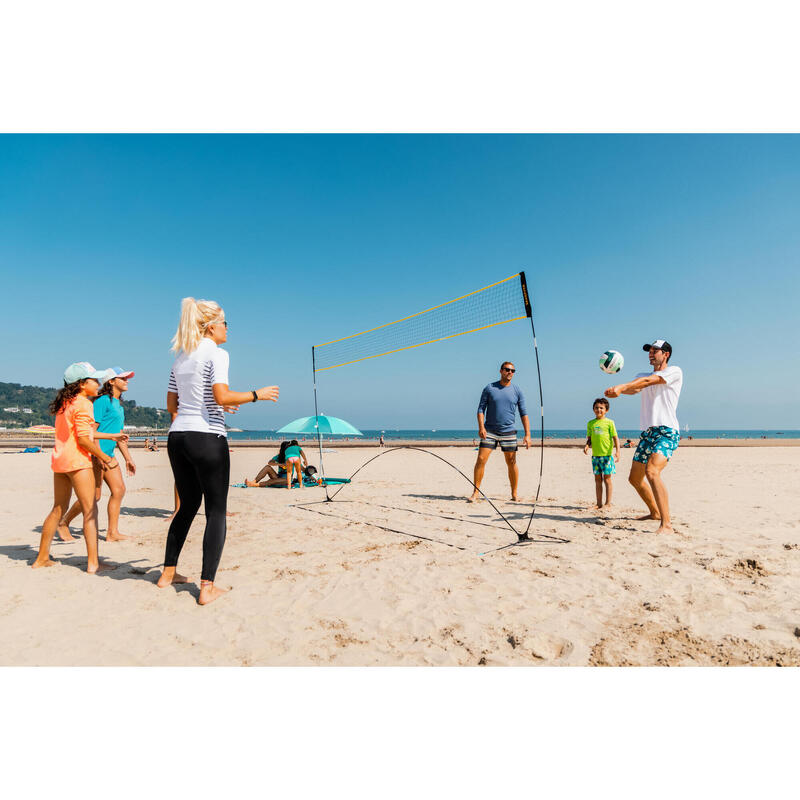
316,418
529,312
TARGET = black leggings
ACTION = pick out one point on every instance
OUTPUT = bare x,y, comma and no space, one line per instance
201,464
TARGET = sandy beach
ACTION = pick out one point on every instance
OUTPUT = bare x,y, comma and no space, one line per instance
319,584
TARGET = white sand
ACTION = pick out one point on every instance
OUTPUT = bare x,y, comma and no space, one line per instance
316,589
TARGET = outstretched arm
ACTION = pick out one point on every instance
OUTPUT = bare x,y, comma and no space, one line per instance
634,387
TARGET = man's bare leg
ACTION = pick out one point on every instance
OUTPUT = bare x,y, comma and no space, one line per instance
638,480
62,489
598,490
513,473
607,482
477,477
655,464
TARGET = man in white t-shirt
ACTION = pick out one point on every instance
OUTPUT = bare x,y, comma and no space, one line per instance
660,390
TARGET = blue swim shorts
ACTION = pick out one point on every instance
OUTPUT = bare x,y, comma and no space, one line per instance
603,465
659,439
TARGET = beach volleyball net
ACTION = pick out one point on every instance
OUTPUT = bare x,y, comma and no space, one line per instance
498,303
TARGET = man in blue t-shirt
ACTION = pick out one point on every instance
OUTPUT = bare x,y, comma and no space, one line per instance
497,418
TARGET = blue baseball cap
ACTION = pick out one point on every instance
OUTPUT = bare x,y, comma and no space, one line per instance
81,370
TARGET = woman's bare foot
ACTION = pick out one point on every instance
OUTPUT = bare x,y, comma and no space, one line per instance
649,516
250,484
64,533
116,537
48,562
514,498
473,498
168,577
103,566
209,593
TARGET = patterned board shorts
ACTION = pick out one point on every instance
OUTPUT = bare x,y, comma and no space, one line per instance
603,465
659,439
507,441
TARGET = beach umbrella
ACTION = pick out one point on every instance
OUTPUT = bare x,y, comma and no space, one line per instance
42,430
45,430
321,424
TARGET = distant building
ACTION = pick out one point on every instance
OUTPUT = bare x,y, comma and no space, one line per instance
12,410
27,411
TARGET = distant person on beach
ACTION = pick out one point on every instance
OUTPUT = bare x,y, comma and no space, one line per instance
497,426
627,443
71,460
380,441
601,436
275,468
295,462
660,390
197,445
109,416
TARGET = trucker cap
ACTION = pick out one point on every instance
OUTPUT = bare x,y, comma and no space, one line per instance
81,370
659,344
118,372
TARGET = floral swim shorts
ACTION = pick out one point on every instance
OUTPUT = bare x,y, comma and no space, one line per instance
659,439
603,465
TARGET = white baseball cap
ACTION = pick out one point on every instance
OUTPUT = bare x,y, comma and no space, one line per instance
118,372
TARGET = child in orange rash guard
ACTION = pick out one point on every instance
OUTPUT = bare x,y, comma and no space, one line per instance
71,460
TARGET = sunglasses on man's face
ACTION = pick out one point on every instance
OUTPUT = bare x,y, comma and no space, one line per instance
508,369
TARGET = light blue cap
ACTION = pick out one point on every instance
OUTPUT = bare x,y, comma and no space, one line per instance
81,370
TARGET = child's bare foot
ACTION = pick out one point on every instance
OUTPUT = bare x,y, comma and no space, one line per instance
47,562
649,516
168,578
665,529
116,537
64,533
473,498
209,593
514,498
102,566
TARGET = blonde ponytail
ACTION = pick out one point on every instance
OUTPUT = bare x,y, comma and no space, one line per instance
196,316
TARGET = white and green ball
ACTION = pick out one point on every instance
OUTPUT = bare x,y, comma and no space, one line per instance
611,361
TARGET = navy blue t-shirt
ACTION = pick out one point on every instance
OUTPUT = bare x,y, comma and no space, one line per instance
498,404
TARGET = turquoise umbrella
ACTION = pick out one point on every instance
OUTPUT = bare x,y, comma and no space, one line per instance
321,424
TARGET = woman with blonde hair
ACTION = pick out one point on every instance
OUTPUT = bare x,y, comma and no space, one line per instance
197,445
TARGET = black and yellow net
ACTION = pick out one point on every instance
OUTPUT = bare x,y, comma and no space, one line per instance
496,304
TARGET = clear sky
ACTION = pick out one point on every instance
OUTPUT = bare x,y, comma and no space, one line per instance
303,239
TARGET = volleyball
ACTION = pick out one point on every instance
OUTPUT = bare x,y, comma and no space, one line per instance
611,361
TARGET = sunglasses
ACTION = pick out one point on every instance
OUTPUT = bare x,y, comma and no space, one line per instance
508,369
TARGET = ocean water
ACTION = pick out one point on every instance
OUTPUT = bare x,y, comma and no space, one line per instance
469,435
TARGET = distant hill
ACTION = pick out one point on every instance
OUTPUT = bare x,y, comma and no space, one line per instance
38,398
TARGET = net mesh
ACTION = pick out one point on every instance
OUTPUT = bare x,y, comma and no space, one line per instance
492,305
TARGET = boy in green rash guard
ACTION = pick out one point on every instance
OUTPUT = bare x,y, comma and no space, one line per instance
601,434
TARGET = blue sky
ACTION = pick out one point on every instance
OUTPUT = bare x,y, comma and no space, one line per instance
303,239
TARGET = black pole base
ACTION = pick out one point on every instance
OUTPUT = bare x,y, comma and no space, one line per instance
523,537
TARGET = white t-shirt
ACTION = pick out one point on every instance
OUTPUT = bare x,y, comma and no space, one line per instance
192,377
660,401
